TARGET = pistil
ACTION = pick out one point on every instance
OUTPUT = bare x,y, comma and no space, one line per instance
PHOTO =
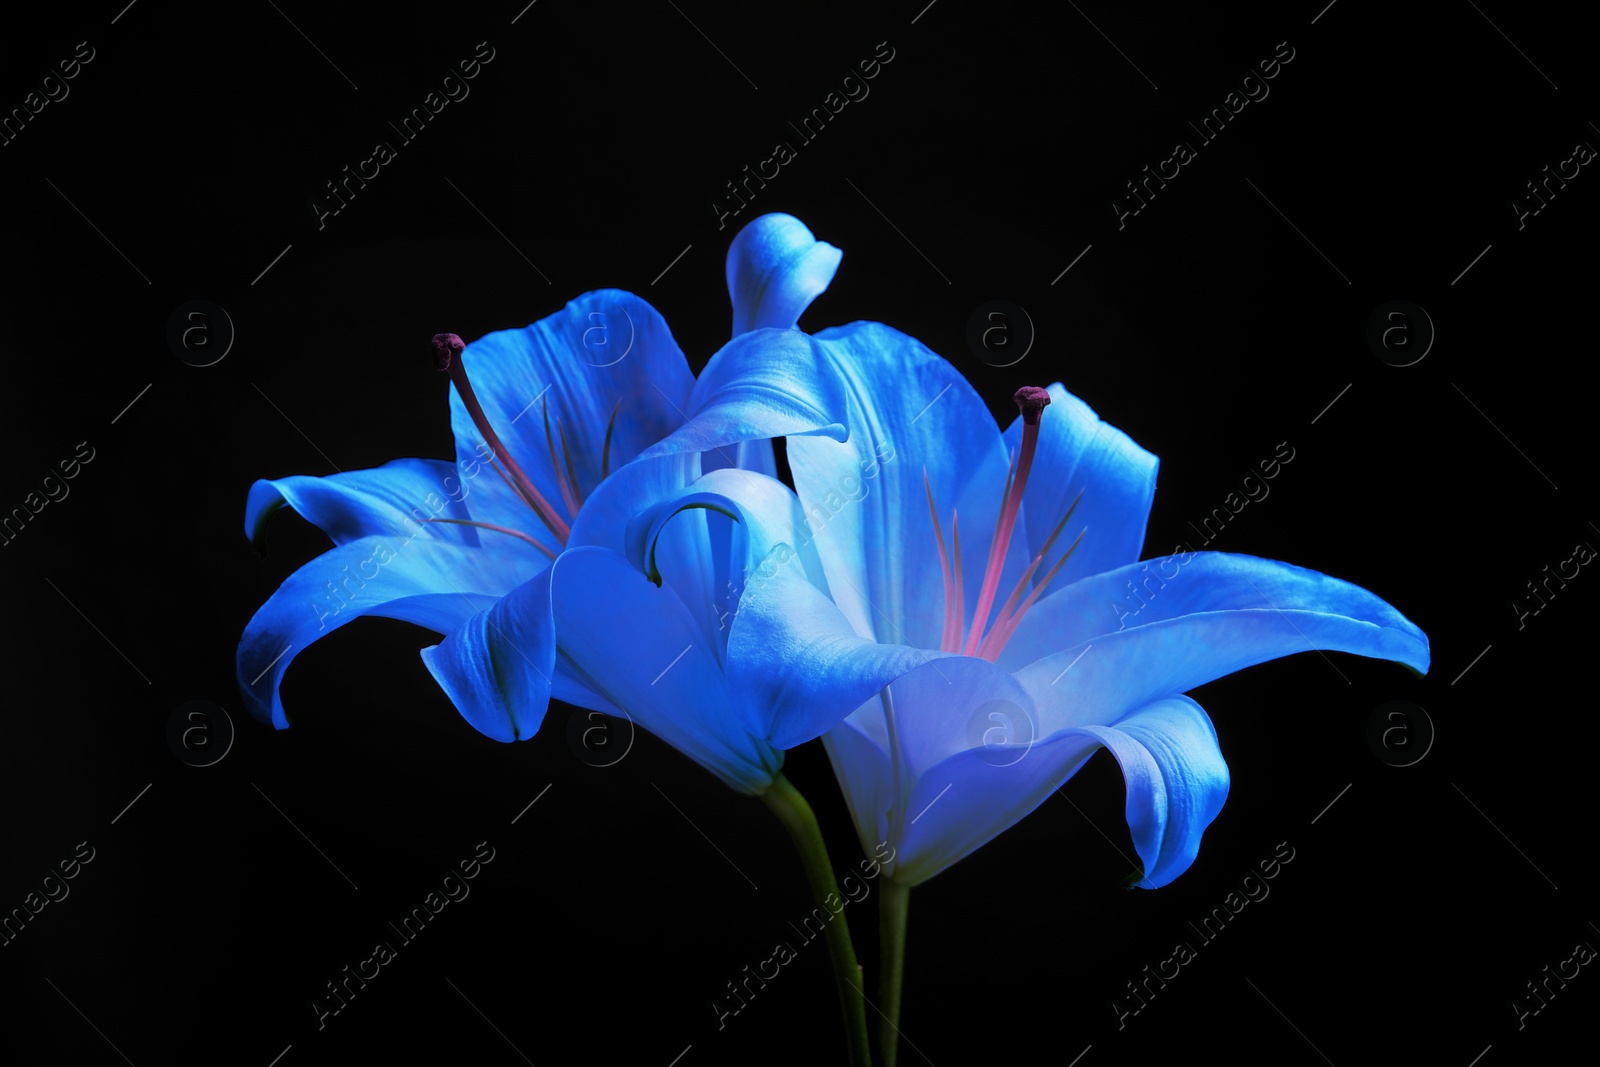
1006,622
1031,401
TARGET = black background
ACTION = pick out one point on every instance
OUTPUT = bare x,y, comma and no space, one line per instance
1208,328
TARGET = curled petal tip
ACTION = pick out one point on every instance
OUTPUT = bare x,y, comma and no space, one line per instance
776,268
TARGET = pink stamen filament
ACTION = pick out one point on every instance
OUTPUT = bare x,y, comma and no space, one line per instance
1010,469
497,529
1007,627
524,486
1022,583
1007,624
1002,535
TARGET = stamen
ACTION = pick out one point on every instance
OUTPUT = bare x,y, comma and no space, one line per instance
1031,401
497,529
1011,469
447,350
1022,584
567,495
952,621
1010,625
605,449
1011,472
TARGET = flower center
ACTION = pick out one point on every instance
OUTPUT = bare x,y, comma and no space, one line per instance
1031,402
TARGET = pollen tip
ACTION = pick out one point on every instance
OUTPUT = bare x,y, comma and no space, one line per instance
1031,401
445,348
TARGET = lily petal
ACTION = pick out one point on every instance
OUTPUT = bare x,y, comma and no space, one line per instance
861,764
1077,453
707,540
776,268
395,499
756,456
606,351
909,411
704,556
944,709
498,667
766,514
636,488
827,670
641,649
427,581
1177,781
971,798
1217,614
763,384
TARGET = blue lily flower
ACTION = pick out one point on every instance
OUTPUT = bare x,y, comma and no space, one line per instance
971,684
544,417
641,599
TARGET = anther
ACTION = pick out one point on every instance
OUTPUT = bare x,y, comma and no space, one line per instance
1031,401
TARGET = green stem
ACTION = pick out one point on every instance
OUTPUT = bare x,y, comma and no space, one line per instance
894,900
797,817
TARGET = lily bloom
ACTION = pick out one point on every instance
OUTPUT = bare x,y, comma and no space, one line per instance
973,626
542,417
644,599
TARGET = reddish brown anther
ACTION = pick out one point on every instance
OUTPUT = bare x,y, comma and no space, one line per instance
1031,401
446,346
